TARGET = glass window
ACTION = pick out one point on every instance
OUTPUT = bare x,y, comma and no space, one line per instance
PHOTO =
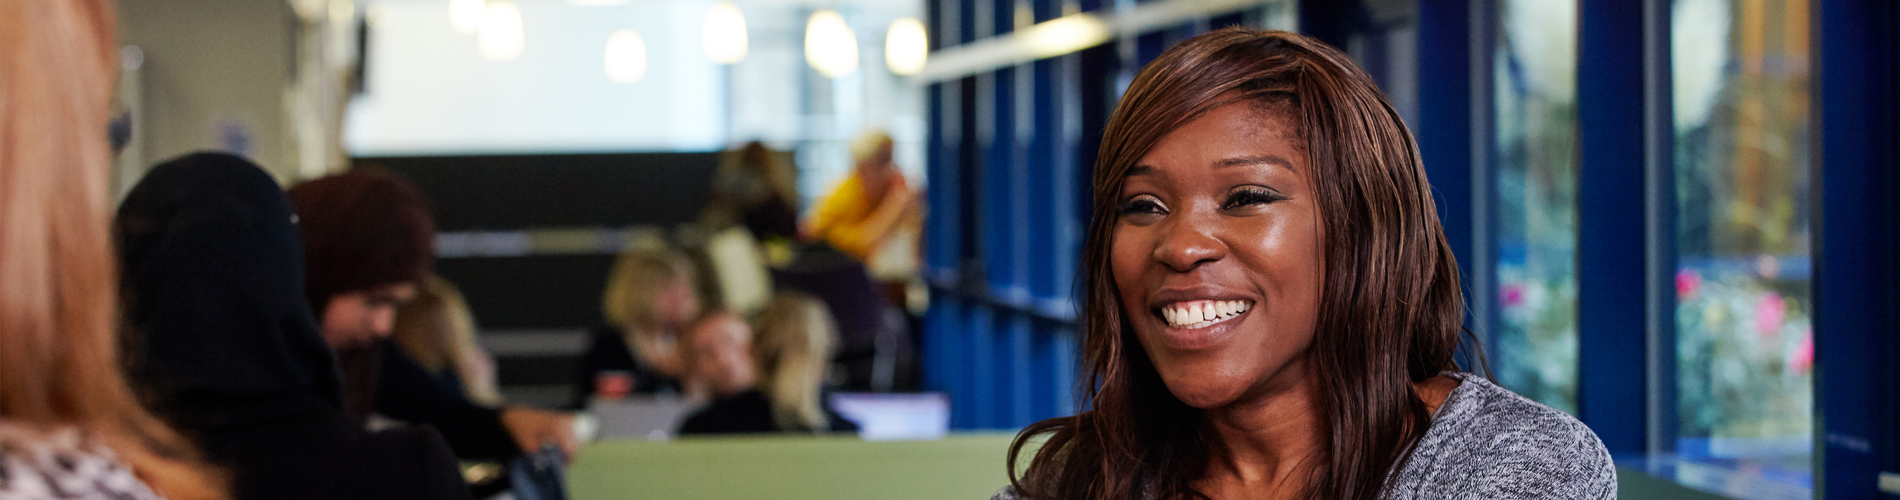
1745,345
1535,80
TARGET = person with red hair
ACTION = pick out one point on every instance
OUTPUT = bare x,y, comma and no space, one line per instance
69,421
368,244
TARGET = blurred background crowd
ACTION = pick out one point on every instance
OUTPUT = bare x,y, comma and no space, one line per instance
586,233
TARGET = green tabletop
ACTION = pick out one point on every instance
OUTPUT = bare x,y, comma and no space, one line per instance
963,467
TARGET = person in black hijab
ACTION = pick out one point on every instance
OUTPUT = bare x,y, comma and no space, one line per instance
224,346
369,240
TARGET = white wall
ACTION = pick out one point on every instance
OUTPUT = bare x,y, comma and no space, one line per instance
213,78
430,92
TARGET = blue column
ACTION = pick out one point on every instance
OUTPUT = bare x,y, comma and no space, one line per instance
997,135
1610,222
1453,85
944,352
1020,389
1854,247
982,397
1046,369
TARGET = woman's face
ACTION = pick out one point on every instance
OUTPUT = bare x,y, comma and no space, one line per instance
678,303
722,355
1216,256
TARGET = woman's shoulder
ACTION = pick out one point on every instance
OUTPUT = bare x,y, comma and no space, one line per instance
61,463
1480,407
1490,442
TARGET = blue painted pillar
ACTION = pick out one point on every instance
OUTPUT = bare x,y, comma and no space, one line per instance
1454,135
1611,221
1854,247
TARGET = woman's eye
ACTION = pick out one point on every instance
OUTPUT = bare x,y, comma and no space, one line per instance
1249,196
1143,204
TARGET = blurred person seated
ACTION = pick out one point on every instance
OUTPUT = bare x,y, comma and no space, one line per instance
793,346
69,423
651,295
875,351
754,190
773,382
369,243
748,222
227,349
876,218
873,215
437,330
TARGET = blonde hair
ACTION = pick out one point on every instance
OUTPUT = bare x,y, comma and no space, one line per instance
59,365
793,345
634,286
438,331
868,144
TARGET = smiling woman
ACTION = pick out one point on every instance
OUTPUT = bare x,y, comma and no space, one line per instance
1272,308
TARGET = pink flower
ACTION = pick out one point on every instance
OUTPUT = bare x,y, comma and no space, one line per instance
1769,311
1512,295
1688,282
1802,358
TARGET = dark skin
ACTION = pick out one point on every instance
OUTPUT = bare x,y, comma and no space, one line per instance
1220,214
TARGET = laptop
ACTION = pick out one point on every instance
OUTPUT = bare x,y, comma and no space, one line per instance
648,417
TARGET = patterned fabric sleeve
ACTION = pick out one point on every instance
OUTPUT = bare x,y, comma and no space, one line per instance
61,464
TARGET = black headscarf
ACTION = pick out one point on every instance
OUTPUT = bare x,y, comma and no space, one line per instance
213,278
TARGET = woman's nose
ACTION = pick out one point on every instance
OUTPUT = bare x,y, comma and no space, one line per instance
1187,244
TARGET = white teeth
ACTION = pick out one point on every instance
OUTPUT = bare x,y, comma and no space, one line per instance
1202,313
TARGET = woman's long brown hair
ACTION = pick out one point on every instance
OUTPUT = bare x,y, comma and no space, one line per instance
1390,313
59,363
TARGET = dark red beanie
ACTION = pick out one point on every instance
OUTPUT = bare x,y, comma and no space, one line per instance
362,229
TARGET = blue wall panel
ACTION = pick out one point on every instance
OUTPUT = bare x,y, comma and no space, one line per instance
940,347
1043,192
1610,291
1855,241
1020,388
980,401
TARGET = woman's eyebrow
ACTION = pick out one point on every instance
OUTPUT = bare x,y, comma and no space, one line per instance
1248,161
1140,170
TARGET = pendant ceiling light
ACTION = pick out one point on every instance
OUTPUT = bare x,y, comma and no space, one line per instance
342,11
500,37
723,35
466,15
830,46
906,47
626,57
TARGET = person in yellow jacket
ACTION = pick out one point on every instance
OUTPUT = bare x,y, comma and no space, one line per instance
874,214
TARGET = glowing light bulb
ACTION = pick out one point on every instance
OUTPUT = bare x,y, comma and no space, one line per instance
500,37
906,47
723,36
830,46
626,56
466,15
342,11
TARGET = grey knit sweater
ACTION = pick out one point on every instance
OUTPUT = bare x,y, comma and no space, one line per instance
1487,442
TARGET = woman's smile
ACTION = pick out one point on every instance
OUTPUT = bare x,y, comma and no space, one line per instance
1191,324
